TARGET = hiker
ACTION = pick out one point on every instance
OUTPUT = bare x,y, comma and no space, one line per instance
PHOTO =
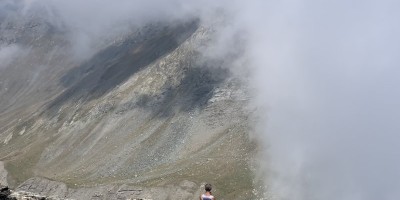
207,195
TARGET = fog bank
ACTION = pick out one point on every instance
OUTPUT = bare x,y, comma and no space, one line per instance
327,74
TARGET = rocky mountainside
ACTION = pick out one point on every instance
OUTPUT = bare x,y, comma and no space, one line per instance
145,116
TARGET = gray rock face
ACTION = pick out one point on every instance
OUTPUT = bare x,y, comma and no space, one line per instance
3,174
43,187
40,188
144,115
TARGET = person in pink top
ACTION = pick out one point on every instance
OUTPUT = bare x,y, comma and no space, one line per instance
207,195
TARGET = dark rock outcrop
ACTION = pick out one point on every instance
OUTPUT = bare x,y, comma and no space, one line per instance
5,193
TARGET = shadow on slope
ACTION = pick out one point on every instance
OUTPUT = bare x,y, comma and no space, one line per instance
194,91
115,64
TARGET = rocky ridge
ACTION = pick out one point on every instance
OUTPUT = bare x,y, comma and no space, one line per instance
146,111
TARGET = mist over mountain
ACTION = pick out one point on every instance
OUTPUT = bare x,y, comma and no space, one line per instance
137,112
138,99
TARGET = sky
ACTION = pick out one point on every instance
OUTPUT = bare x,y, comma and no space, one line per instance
325,76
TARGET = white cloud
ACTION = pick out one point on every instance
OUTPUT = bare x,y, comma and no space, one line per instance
327,71
8,54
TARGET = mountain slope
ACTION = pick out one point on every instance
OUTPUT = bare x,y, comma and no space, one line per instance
146,109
